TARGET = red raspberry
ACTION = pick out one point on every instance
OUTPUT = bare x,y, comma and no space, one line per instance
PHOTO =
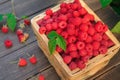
99,27
80,45
83,35
49,21
62,24
62,5
64,34
22,62
71,39
68,6
48,27
89,39
105,28
19,32
97,37
76,32
8,43
41,77
74,54
42,30
72,47
104,42
85,59
83,11
59,31
76,21
81,64
33,59
95,53
67,59
91,30
83,52
71,31
54,25
74,6
69,15
84,27
110,43
89,48
70,26
49,12
39,22
63,10
58,49
90,54
72,65
105,37
103,49
76,14
96,45
27,22
62,18
4,29
46,17
90,17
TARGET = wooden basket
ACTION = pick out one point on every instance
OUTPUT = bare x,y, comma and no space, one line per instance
94,64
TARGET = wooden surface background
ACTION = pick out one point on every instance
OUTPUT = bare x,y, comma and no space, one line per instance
31,8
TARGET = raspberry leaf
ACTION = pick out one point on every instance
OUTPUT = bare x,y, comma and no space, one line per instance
52,35
61,42
11,21
116,28
52,45
1,17
105,3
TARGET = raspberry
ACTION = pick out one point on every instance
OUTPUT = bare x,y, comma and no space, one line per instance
70,26
46,17
64,34
81,64
105,28
83,52
4,29
33,59
39,22
49,21
105,37
72,65
82,11
97,37
76,21
90,54
90,17
110,43
83,35
27,22
67,59
74,6
80,45
62,5
69,15
49,12
85,59
71,31
8,43
62,18
72,47
89,39
68,6
42,30
58,49
99,27
63,10
103,49
91,30
76,13
104,42
71,39
89,47
48,27
95,53
74,54
84,27
96,45
54,25
41,77
19,32
59,31
62,24
22,62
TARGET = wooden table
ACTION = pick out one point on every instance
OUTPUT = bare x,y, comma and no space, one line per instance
31,8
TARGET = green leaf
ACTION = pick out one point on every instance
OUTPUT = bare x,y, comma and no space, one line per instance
61,42
52,45
52,35
116,28
1,17
11,21
23,17
105,3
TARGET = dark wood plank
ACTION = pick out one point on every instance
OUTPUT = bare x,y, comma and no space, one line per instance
10,71
3,1
49,74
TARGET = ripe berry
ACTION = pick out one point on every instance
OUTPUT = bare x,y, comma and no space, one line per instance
62,17
105,28
22,62
105,37
76,21
72,65
42,30
62,24
89,39
91,30
110,43
71,39
84,27
74,54
95,53
103,49
83,52
19,32
96,45
33,59
89,47
71,31
67,59
49,12
54,25
76,13
62,5
64,34
58,49
4,29
59,31
41,77
83,35
74,6
99,27
80,45
82,11
104,42
81,64
27,22
21,38
85,58
8,43
48,27
72,47
97,37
